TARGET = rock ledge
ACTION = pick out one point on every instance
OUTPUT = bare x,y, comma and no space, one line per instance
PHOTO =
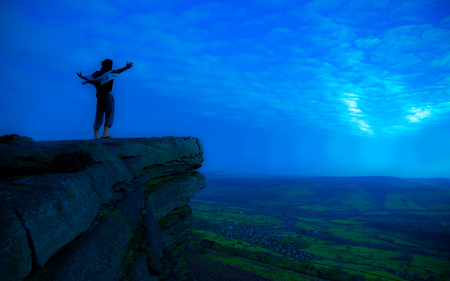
97,209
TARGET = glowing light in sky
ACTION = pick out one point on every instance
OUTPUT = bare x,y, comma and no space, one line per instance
418,114
356,113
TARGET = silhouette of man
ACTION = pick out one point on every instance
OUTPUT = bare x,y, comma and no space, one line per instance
103,81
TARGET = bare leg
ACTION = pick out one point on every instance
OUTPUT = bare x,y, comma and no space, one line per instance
95,134
105,133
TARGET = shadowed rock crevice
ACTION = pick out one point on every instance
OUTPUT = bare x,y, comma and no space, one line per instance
34,265
33,165
73,162
72,203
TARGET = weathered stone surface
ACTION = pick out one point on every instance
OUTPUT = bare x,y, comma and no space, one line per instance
97,254
45,157
174,150
53,209
102,183
154,243
15,254
75,155
176,229
138,270
171,193
97,209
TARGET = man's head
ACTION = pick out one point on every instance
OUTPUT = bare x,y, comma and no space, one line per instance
107,64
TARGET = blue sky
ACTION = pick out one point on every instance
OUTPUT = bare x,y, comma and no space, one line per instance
322,88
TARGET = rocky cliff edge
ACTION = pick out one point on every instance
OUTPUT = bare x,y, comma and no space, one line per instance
109,209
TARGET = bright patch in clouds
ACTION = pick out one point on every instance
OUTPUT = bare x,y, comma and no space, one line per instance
418,114
356,114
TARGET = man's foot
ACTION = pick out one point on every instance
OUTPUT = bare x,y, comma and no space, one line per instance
108,137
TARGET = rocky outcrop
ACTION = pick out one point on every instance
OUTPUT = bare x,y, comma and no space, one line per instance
109,209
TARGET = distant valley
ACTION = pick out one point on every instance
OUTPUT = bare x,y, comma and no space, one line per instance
379,228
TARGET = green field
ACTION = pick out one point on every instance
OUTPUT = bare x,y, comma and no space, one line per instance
231,242
353,229
239,218
226,267
270,273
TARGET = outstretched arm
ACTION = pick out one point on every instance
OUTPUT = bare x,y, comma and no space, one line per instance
120,70
81,76
84,78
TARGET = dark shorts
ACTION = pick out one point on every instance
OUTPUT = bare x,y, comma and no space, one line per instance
105,106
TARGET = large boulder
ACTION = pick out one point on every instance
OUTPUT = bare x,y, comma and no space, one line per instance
98,253
105,209
15,253
53,209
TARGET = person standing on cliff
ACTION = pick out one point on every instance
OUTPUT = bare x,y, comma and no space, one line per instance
103,81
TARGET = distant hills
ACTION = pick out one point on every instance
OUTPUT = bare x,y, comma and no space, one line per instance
329,193
222,174
249,175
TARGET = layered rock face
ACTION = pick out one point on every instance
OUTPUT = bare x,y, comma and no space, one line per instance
112,209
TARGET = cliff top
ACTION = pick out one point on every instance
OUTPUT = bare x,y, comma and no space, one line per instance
24,157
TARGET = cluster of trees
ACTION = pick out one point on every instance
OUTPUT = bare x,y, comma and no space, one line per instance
407,257
259,256
295,243
435,233
204,224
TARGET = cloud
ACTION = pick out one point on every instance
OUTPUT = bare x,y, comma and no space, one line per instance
281,66
433,111
279,33
418,114
368,42
443,61
197,14
445,23
211,12
356,115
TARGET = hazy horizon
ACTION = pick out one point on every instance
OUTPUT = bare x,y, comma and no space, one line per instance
223,174
341,88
